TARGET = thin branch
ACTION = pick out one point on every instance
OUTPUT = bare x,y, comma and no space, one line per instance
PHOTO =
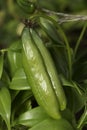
63,17
79,39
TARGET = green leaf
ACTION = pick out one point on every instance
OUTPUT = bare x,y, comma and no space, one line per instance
13,60
5,77
13,57
83,119
65,82
21,97
70,83
5,105
32,117
1,64
80,71
60,59
14,94
51,124
79,39
21,102
19,81
81,55
51,30
16,46
75,99
69,116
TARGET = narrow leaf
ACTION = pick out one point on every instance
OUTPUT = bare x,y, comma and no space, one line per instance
75,100
16,46
83,119
60,59
5,105
32,117
19,81
70,83
65,82
51,30
51,124
21,102
1,65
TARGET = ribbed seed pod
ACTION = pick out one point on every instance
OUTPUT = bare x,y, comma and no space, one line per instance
52,72
37,75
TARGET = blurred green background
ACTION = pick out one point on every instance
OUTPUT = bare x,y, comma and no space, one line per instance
10,16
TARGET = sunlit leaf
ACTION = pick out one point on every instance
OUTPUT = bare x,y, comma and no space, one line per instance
32,117
16,46
13,60
5,77
5,105
19,81
51,124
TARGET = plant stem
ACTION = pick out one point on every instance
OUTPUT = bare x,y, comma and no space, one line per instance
64,17
68,49
79,40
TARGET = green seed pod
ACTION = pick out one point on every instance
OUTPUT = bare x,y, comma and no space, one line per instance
52,72
37,76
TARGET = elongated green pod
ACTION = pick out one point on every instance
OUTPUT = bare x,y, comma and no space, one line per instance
52,72
37,76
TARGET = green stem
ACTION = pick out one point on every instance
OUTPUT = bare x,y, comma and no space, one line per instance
79,40
68,53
